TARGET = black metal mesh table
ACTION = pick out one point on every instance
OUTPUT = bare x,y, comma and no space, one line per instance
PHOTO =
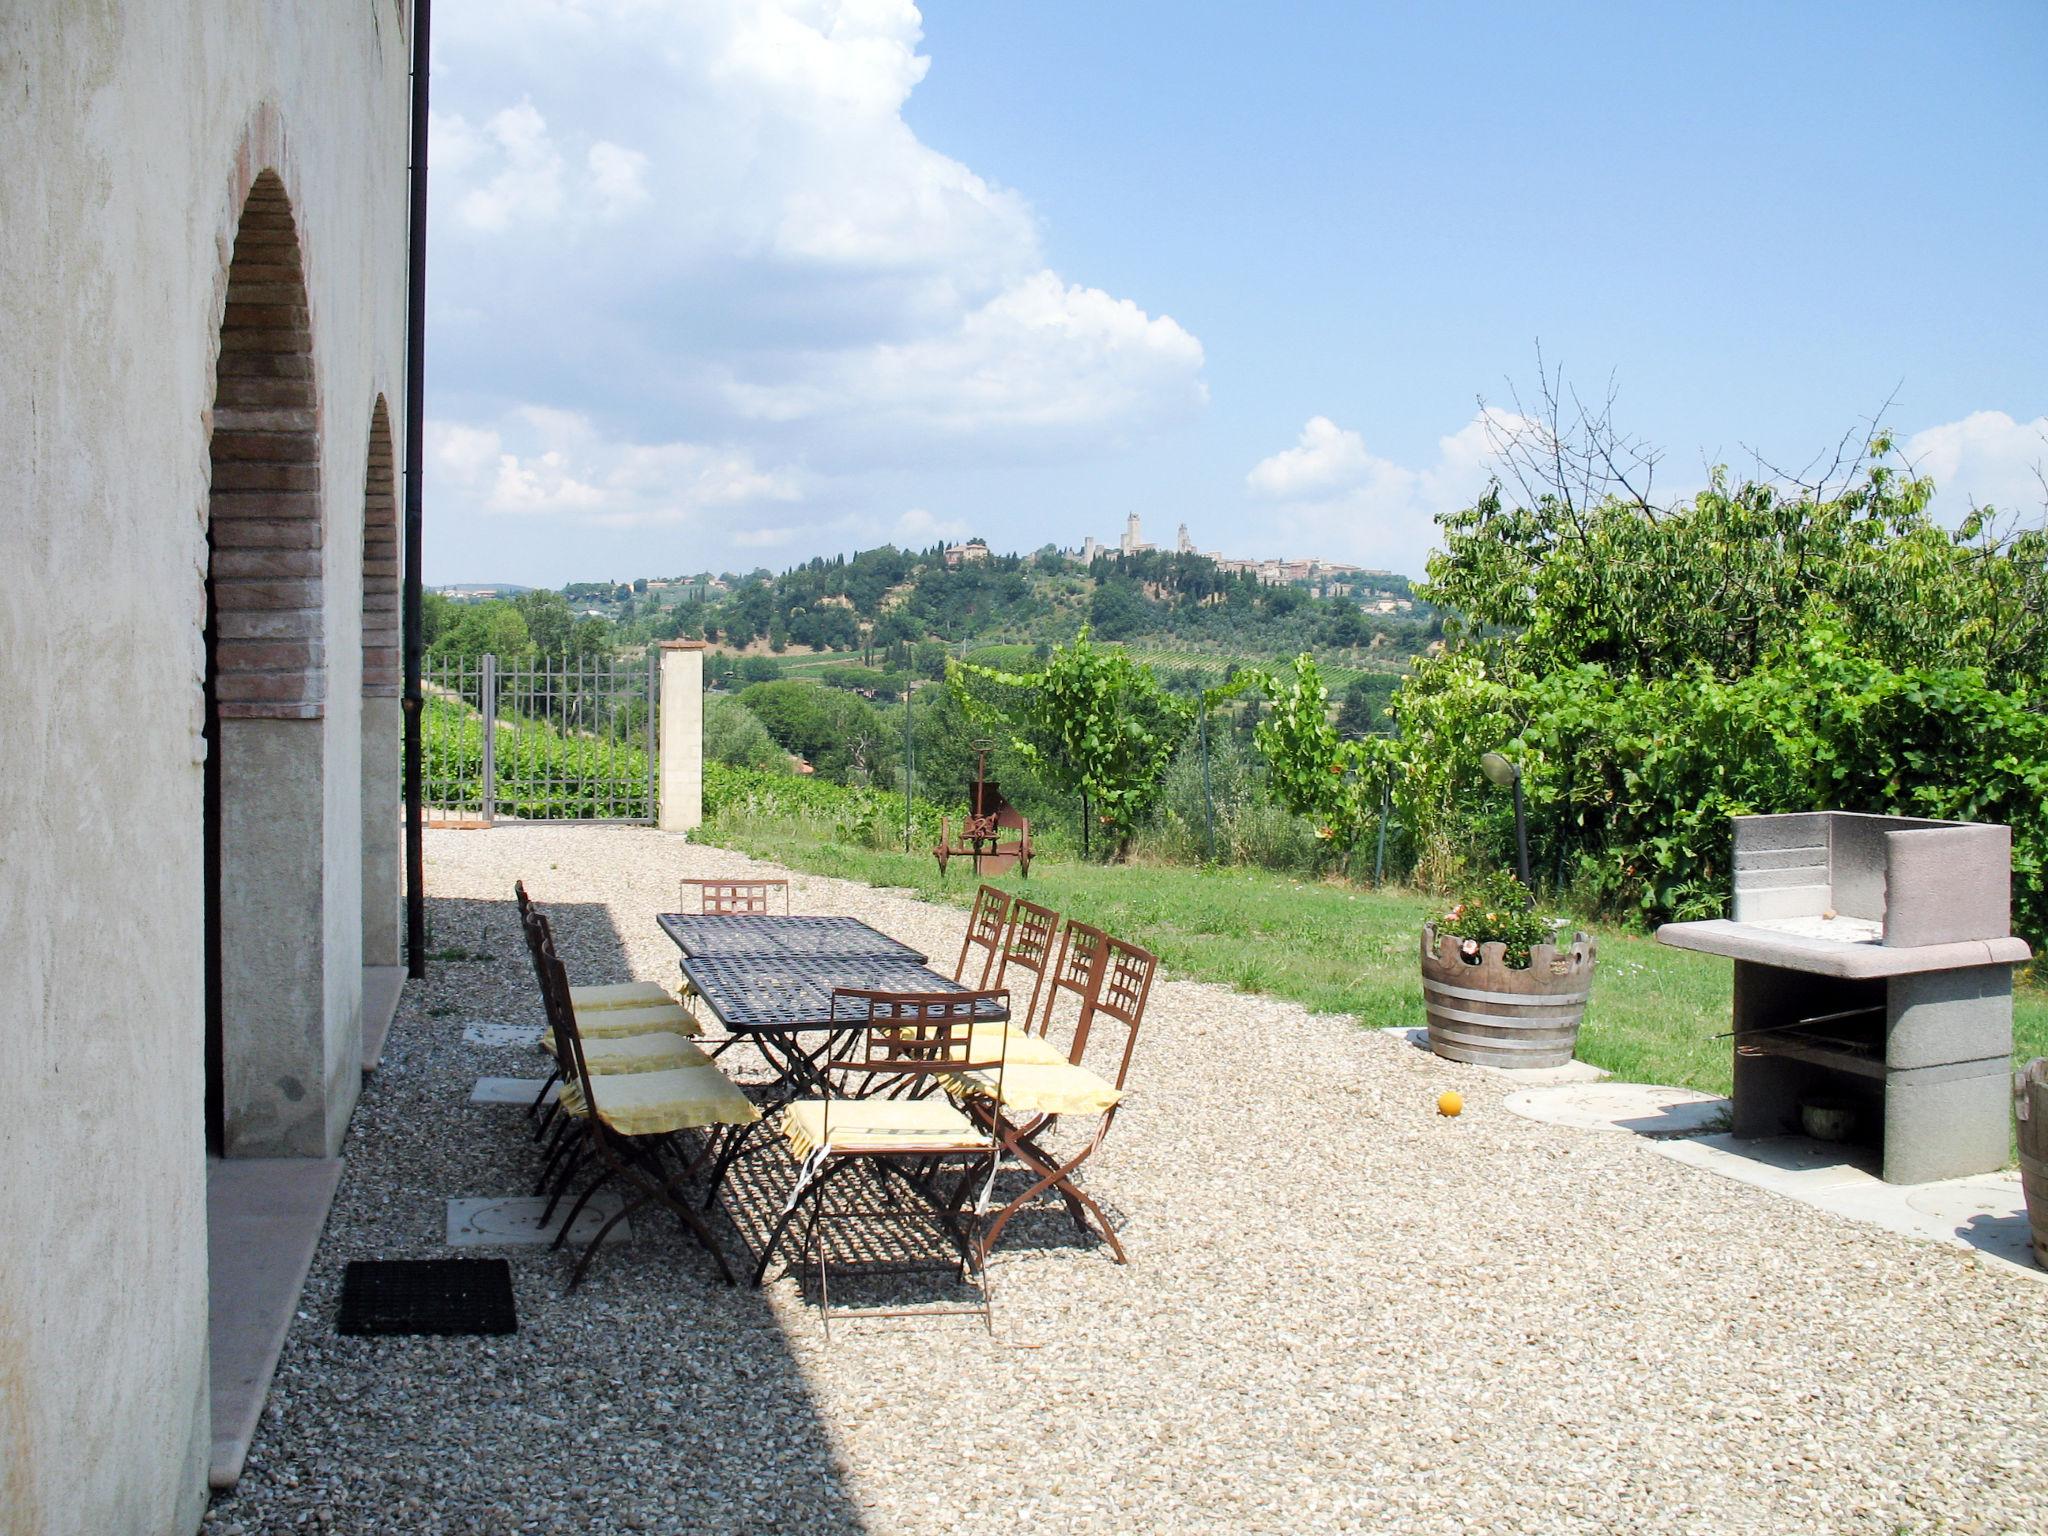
754,935
787,993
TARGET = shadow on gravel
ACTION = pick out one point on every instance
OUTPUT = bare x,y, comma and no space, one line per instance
653,1399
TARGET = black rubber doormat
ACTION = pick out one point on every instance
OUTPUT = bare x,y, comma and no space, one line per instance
439,1296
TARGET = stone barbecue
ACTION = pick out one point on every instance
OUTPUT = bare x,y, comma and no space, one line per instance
1873,985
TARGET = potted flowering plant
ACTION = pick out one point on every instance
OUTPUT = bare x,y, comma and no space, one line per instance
1500,983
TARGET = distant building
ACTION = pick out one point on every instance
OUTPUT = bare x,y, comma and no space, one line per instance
1133,541
971,551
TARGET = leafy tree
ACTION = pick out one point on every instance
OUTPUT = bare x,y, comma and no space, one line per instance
734,734
1118,610
549,621
492,628
840,734
1096,723
1364,710
1311,770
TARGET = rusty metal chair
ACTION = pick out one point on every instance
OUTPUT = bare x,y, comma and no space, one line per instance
1113,982
985,929
731,897
1028,946
631,1121
886,1108
604,995
622,1036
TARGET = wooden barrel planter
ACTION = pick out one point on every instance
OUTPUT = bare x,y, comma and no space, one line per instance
1491,1014
2030,1109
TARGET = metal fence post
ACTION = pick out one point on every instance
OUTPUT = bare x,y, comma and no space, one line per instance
909,765
1379,858
487,689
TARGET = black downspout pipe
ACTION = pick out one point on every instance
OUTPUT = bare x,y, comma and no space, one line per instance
415,459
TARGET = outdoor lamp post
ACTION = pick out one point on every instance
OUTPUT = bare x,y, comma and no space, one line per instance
1499,770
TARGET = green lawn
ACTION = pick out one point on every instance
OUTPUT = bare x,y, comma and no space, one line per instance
1336,949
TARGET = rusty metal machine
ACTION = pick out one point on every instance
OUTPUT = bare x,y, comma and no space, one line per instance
994,834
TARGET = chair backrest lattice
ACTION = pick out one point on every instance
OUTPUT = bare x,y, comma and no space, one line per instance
1125,987
1028,947
985,926
736,898
918,1033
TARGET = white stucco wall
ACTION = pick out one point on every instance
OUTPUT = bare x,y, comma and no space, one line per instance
132,132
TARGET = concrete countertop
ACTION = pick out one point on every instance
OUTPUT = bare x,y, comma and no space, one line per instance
1828,957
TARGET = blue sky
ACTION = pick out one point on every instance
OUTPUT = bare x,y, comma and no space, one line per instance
734,283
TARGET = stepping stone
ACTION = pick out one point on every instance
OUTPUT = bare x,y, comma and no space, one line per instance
512,1090
508,1220
502,1034
1647,1109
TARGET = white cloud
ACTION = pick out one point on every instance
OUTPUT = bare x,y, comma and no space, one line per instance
524,183
1040,354
1326,457
1985,459
762,245
1329,495
918,529
618,175
541,461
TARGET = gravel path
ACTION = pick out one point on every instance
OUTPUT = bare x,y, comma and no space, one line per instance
1342,1313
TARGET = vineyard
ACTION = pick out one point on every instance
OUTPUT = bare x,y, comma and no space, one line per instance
540,773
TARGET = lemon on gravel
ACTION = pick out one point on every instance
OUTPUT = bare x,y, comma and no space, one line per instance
1450,1103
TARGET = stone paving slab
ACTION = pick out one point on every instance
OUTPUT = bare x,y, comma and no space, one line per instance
511,1090
499,1221
263,1222
1647,1109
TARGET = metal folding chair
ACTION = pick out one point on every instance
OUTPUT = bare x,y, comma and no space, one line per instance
1113,981
727,898
622,1038
886,1108
1028,946
985,927
629,1122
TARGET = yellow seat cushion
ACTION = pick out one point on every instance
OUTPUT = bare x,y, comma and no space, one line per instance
658,1051
879,1125
621,994
611,1023
655,1103
1056,1087
1005,1042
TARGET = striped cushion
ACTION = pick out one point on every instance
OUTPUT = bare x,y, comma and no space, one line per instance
655,1103
656,1051
621,994
611,1023
880,1125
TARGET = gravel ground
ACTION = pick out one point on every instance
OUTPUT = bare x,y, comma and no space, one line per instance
1343,1312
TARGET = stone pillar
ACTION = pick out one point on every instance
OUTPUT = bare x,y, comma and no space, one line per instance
682,735
1948,1087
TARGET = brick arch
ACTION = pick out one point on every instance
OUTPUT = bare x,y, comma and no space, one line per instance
265,528
383,724
380,562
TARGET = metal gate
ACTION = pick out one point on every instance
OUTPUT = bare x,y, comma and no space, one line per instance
539,739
